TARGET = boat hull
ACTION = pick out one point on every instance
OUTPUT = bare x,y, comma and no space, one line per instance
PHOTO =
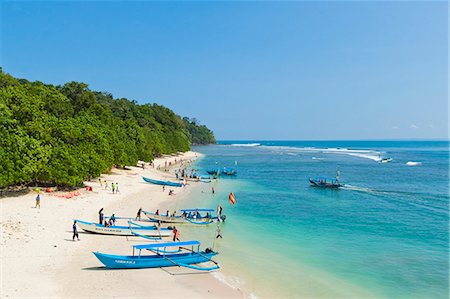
123,230
152,261
162,183
324,185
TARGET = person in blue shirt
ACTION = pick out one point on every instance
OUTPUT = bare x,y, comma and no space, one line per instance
113,219
38,201
75,231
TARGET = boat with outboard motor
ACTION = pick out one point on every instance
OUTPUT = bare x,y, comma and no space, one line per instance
182,257
123,230
193,216
323,182
163,183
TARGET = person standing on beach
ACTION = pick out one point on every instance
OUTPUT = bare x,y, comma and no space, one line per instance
75,231
164,188
38,201
213,191
106,185
100,216
113,187
100,181
113,219
176,234
138,216
117,188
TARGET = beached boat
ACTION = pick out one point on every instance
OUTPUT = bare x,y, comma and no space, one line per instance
164,183
193,216
120,230
323,182
182,257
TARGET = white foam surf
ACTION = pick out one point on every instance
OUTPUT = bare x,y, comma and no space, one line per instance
413,163
246,144
360,153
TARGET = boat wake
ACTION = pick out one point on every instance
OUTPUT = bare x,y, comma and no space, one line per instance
366,154
413,163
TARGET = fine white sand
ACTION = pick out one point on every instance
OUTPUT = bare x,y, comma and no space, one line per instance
39,258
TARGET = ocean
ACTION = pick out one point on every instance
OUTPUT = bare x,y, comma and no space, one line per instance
385,234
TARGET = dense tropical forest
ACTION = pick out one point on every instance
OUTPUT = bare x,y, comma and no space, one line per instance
63,134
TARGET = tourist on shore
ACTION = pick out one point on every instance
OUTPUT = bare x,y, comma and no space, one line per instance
157,212
138,215
167,213
75,231
176,234
219,211
100,181
113,187
117,188
113,219
100,216
164,188
213,191
218,233
106,185
38,201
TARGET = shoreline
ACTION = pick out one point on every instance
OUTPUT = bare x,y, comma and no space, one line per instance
39,258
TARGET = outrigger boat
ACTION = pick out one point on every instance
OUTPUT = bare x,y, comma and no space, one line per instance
229,171
386,160
164,183
323,182
188,216
215,172
161,257
131,230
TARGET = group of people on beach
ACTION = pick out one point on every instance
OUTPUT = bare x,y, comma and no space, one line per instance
114,186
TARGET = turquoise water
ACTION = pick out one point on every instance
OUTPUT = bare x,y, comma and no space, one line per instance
384,235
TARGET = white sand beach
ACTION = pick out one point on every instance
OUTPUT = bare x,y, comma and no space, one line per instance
39,258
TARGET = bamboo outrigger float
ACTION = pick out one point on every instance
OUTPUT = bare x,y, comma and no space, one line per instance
161,257
130,230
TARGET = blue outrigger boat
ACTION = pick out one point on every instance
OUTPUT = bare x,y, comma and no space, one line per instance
323,182
194,216
164,183
182,257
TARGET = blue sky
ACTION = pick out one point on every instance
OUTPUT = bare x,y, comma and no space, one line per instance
249,70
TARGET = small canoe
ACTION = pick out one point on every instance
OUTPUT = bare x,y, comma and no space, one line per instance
164,183
118,230
161,257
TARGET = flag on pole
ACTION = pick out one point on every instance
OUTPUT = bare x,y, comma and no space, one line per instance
232,198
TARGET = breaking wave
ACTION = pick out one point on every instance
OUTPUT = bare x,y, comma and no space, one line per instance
246,144
366,154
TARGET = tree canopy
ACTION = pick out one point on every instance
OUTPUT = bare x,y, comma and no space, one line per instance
63,134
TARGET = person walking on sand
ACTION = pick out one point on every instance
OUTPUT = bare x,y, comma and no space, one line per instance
213,191
38,201
138,215
117,188
75,231
113,187
176,234
106,185
100,181
164,188
100,216
218,233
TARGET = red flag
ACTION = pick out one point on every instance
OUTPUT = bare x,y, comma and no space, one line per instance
231,198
